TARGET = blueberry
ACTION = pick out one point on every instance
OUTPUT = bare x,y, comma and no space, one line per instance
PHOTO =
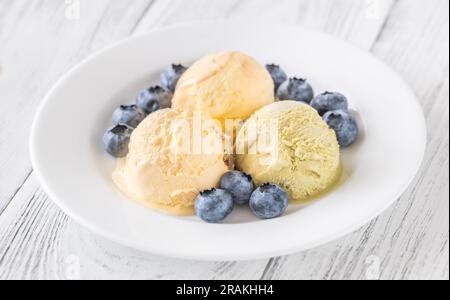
213,206
128,115
278,75
239,185
269,201
116,140
170,77
151,99
296,89
344,125
329,101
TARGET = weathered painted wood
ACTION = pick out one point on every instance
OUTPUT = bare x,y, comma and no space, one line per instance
411,238
38,241
39,41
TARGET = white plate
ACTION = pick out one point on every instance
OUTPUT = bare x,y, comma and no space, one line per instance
75,172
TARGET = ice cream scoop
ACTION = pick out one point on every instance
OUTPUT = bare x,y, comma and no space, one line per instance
173,156
288,143
227,85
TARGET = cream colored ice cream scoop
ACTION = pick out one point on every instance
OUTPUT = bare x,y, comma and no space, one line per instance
172,157
227,85
288,143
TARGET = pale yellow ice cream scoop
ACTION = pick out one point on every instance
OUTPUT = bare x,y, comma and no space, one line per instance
172,157
227,85
288,143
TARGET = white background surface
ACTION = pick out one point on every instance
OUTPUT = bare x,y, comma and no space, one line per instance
40,40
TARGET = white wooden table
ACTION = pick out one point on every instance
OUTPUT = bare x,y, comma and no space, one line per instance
42,39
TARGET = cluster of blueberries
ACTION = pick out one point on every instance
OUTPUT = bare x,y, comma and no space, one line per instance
127,117
333,107
236,188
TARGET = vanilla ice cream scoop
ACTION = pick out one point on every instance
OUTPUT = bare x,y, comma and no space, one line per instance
227,85
288,143
173,155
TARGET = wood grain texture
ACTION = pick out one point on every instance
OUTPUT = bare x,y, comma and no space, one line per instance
38,43
37,241
411,238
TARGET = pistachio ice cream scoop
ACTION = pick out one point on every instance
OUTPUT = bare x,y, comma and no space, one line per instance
288,143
